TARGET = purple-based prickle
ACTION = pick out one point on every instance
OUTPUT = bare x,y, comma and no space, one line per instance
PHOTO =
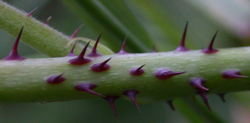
122,50
131,94
55,79
14,55
75,33
71,52
48,20
204,98
210,49
80,59
88,88
94,52
164,73
222,97
198,84
171,105
232,74
182,47
111,101
31,12
100,67
137,71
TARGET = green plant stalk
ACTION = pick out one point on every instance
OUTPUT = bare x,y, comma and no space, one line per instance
25,80
39,35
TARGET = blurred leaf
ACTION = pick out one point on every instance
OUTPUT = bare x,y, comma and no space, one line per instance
114,20
234,15
196,112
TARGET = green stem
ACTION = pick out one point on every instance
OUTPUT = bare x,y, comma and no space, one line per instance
39,35
25,80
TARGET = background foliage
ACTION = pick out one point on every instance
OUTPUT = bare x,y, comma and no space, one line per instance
147,24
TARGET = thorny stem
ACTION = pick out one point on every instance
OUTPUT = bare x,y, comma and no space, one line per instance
26,80
39,35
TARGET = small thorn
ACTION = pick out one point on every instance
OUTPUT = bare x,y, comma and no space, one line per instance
204,97
48,20
111,101
14,55
163,73
71,53
94,52
197,83
182,47
88,88
210,49
31,12
171,105
232,74
222,97
137,71
75,33
100,67
55,79
131,94
80,60
122,50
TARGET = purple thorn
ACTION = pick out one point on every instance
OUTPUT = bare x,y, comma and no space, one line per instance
232,74
182,47
137,71
131,94
122,50
94,52
13,55
210,49
171,105
100,67
204,97
163,73
88,88
222,97
71,53
55,79
48,20
31,12
80,60
198,84
75,33
111,101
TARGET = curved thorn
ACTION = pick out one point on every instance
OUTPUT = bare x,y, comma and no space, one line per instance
182,47
210,49
94,52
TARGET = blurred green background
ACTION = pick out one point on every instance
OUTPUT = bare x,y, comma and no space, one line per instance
148,25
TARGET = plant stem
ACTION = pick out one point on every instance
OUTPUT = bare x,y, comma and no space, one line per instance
25,80
39,35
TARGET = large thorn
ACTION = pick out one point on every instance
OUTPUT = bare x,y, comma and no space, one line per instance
163,73
210,49
232,74
14,55
122,50
88,88
80,59
111,101
131,94
100,67
94,52
55,79
182,47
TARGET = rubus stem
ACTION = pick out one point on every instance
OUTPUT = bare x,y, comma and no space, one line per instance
26,80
